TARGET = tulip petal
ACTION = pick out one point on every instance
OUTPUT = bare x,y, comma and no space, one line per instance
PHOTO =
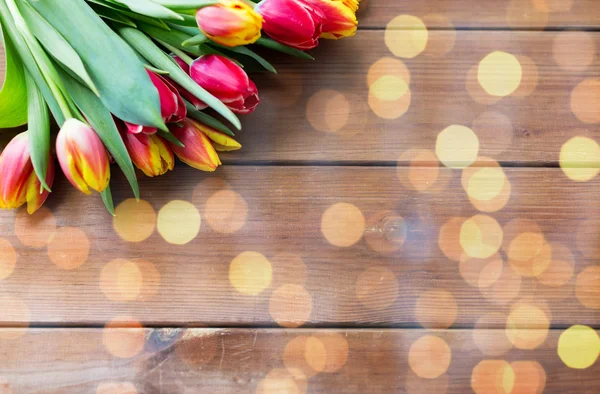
222,139
198,151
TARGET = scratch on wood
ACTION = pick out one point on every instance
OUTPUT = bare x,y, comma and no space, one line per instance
222,353
254,342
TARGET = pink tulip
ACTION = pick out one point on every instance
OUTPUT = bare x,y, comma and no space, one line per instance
172,107
294,23
226,81
82,156
18,182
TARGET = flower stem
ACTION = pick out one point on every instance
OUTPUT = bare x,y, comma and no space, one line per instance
178,52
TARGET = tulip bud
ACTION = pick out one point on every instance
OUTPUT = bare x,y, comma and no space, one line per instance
149,153
172,107
220,141
230,23
226,81
294,23
195,101
82,156
18,181
340,17
198,151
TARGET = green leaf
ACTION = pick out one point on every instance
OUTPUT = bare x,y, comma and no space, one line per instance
55,44
186,4
13,36
108,200
188,20
158,58
198,39
13,96
170,137
173,38
189,30
206,119
149,8
247,52
268,43
112,15
103,123
126,12
115,69
38,123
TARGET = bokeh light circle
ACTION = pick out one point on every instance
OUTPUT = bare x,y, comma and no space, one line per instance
436,308
123,337
488,339
328,111
69,248
585,101
8,258
121,280
178,222
493,377
226,211
579,347
342,224
587,287
499,73
573,50
527,326
37,229
429,357
480,236
580,158
134,221
457,146
250,273
290,306
406,36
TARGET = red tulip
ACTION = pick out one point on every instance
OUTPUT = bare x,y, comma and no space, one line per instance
226,81
172,107
230,22
82,156
149,153
198,151
18,182
294,23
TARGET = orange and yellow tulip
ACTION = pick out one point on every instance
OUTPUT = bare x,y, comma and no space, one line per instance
230,23
82,156
220,141
340,17
198,151
18,181
149,153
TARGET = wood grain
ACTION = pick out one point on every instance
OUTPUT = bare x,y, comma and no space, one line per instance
286,127
537,124
357,285
254,361
521,14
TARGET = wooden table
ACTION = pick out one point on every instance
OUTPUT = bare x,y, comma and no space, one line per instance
416,211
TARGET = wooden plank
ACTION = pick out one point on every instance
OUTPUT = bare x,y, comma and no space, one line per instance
318,268
320,111
302,118
284,362
519,14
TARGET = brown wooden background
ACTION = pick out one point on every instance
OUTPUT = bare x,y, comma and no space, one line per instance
336,252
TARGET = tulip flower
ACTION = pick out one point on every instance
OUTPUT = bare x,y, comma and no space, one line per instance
18,181
149,153
195,101
220,141
172,107
82,156
198,151
226,81
230,23
340,17
294,23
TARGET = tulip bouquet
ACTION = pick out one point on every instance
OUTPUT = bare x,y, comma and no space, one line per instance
128,81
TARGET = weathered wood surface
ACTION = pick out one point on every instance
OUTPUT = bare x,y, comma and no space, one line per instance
111,361
521,14
365,262
319,111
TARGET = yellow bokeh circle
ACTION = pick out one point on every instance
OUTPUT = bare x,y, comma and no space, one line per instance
480,236
406,36
457,146
579,347
178,222
250,273
134,221
580,158
499,73
429,357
